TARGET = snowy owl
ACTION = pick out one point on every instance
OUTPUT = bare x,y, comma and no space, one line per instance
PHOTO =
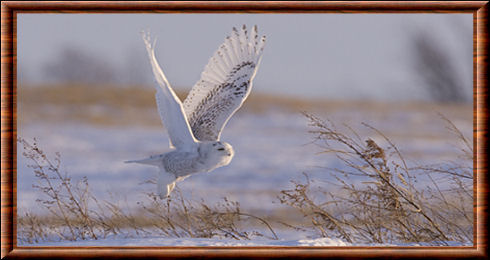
194,126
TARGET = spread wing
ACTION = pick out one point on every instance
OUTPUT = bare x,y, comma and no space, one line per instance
225,84
169,105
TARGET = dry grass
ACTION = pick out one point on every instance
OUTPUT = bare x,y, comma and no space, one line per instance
67,202
98,104
380,200
179,217
73,213
135,105
387,205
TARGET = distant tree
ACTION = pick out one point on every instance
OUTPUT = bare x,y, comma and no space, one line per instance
76,66
136,68
439,69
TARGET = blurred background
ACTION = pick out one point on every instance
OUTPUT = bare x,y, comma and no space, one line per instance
349,56
85,90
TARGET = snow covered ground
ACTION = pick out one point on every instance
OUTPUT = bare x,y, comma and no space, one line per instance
179,242
164,241
272,148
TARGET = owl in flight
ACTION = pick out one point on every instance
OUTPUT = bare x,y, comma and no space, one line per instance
194,126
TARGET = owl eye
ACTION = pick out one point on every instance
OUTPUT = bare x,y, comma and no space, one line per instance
221,149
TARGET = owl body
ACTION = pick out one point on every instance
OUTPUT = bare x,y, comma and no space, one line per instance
206,157
195,125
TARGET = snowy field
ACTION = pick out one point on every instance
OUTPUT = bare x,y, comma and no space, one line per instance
272,148
162,241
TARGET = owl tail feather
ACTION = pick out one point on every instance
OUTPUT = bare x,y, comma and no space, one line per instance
155,160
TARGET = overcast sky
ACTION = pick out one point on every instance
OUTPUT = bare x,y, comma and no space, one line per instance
310,55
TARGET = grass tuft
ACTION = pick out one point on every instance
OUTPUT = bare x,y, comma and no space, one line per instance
72,212
379,198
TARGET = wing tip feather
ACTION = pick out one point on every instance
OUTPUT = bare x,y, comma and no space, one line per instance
241,45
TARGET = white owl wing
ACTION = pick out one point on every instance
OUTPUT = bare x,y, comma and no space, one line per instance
225,84
169,105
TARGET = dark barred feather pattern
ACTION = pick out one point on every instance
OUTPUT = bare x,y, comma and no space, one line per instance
224,85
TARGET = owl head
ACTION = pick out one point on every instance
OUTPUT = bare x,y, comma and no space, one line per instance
216,153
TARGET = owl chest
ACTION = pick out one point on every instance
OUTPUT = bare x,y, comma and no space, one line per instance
182,164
